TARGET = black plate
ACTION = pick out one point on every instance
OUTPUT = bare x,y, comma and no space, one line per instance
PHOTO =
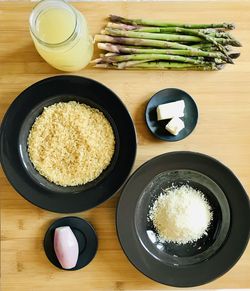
13,144
86,238
189,264
157,128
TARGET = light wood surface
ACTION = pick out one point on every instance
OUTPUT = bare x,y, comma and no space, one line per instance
223,132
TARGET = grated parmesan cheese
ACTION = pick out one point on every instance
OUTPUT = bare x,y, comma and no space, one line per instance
181,215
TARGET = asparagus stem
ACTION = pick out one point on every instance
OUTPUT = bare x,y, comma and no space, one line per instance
127,64
141,42
121,26
147,35
208,31
134,57
115,48
147,22
164,66
205,46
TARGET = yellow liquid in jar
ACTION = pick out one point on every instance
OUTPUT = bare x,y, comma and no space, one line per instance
54,27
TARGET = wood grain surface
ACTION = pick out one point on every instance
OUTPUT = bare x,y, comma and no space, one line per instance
223,99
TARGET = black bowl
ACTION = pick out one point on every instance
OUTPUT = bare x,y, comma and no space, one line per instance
157,128
189,264
13,144
189,253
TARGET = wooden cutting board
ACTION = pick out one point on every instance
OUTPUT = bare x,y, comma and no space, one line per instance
223,99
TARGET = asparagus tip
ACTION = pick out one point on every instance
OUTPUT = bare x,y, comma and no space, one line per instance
229,26
229,60
234,55
220,66
236,43
115,18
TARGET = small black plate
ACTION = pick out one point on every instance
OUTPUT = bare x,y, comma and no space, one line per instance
158,127
86,238
186,265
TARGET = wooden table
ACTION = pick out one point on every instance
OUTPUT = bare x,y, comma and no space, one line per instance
222,132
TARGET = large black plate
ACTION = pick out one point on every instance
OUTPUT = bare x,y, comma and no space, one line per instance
13,144
187,265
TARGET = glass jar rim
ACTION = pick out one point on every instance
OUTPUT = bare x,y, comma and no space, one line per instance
38,9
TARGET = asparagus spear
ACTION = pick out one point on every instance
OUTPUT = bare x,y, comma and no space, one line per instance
147,35
136,57
115,48
210,31
147,22
164,66
169,37
142,42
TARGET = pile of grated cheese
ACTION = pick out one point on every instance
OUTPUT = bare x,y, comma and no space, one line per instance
181,215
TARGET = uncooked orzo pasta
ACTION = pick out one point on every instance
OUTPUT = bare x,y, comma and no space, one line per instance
71,143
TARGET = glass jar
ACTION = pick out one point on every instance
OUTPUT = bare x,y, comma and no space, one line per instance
60,35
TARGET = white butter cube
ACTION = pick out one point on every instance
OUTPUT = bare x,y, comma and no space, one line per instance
170,110
175,125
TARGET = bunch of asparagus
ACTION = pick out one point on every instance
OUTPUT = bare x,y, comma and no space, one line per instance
154,44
